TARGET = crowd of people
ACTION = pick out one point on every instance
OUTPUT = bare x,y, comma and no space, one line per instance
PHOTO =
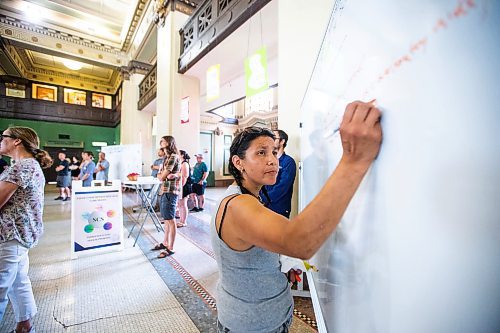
250,226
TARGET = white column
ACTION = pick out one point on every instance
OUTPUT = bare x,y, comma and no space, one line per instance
136,125
172,87
300,32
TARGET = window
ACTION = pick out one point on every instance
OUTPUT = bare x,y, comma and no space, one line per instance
101,101
77,97
45,92
226,111
20,93
119,96
262,102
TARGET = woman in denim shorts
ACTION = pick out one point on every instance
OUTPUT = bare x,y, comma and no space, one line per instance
21,210
170,189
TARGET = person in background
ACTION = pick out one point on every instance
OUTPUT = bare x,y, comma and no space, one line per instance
186,183
63,179
158,163
200,174
171,188
102,168
279,195
87,168
21,225
75,167
3,164
247,237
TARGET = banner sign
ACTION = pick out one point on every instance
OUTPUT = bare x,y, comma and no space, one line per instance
213,82
185,110
256,78
96,218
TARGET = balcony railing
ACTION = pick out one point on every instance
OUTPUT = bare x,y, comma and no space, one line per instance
147,89
37,109
210,24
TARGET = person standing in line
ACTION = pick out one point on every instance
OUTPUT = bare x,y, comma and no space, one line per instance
21,225
247,238
170,176
279,195
75,167
3,164
186,188
102,168
158,163
200,174
63,180
87,169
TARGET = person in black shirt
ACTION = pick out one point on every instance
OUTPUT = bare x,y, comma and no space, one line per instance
63,178
75,167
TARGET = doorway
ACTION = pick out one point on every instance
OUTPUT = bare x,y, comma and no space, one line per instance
50,173
206,144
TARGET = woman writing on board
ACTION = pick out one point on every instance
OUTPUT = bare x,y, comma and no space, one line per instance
247,238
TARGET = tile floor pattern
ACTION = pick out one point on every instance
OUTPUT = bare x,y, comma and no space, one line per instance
127,291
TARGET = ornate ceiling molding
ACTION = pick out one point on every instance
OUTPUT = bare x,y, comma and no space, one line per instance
140,11
163,7
28,71
18,30
135,67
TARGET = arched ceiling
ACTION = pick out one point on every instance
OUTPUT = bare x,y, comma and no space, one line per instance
38,35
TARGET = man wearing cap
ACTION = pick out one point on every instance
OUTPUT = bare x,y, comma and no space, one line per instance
200,174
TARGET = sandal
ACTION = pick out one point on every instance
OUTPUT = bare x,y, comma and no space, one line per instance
180,225
159,247
164,254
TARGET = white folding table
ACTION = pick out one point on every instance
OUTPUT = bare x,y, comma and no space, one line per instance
147,201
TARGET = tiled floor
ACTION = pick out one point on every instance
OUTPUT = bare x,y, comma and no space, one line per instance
127,291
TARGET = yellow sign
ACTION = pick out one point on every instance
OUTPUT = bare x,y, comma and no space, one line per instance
213,82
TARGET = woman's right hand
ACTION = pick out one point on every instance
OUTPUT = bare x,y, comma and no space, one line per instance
361,133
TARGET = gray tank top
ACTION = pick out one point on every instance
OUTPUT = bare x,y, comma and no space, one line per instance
252,293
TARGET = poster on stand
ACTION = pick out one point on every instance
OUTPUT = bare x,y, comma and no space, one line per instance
96,219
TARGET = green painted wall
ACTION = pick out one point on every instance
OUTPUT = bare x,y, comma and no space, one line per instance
50,131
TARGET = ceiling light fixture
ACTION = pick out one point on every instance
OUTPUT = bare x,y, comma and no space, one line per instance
71,64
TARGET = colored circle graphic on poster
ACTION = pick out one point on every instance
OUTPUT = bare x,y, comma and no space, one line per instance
98,219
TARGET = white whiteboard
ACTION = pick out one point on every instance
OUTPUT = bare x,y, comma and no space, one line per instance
418,248
123,159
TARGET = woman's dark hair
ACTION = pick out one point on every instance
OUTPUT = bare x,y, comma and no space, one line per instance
239,148
185,155
31,143
171,146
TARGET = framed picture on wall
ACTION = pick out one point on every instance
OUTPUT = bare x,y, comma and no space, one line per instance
228,139
226,161
46,93
20,93
97,101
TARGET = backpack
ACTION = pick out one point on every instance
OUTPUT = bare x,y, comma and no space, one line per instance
189,180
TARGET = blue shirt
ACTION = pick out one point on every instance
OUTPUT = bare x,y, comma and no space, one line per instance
88,169
157,162
281,192
103,175
198,170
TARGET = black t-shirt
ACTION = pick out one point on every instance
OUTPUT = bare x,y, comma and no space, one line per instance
65,171
3,164
76,172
